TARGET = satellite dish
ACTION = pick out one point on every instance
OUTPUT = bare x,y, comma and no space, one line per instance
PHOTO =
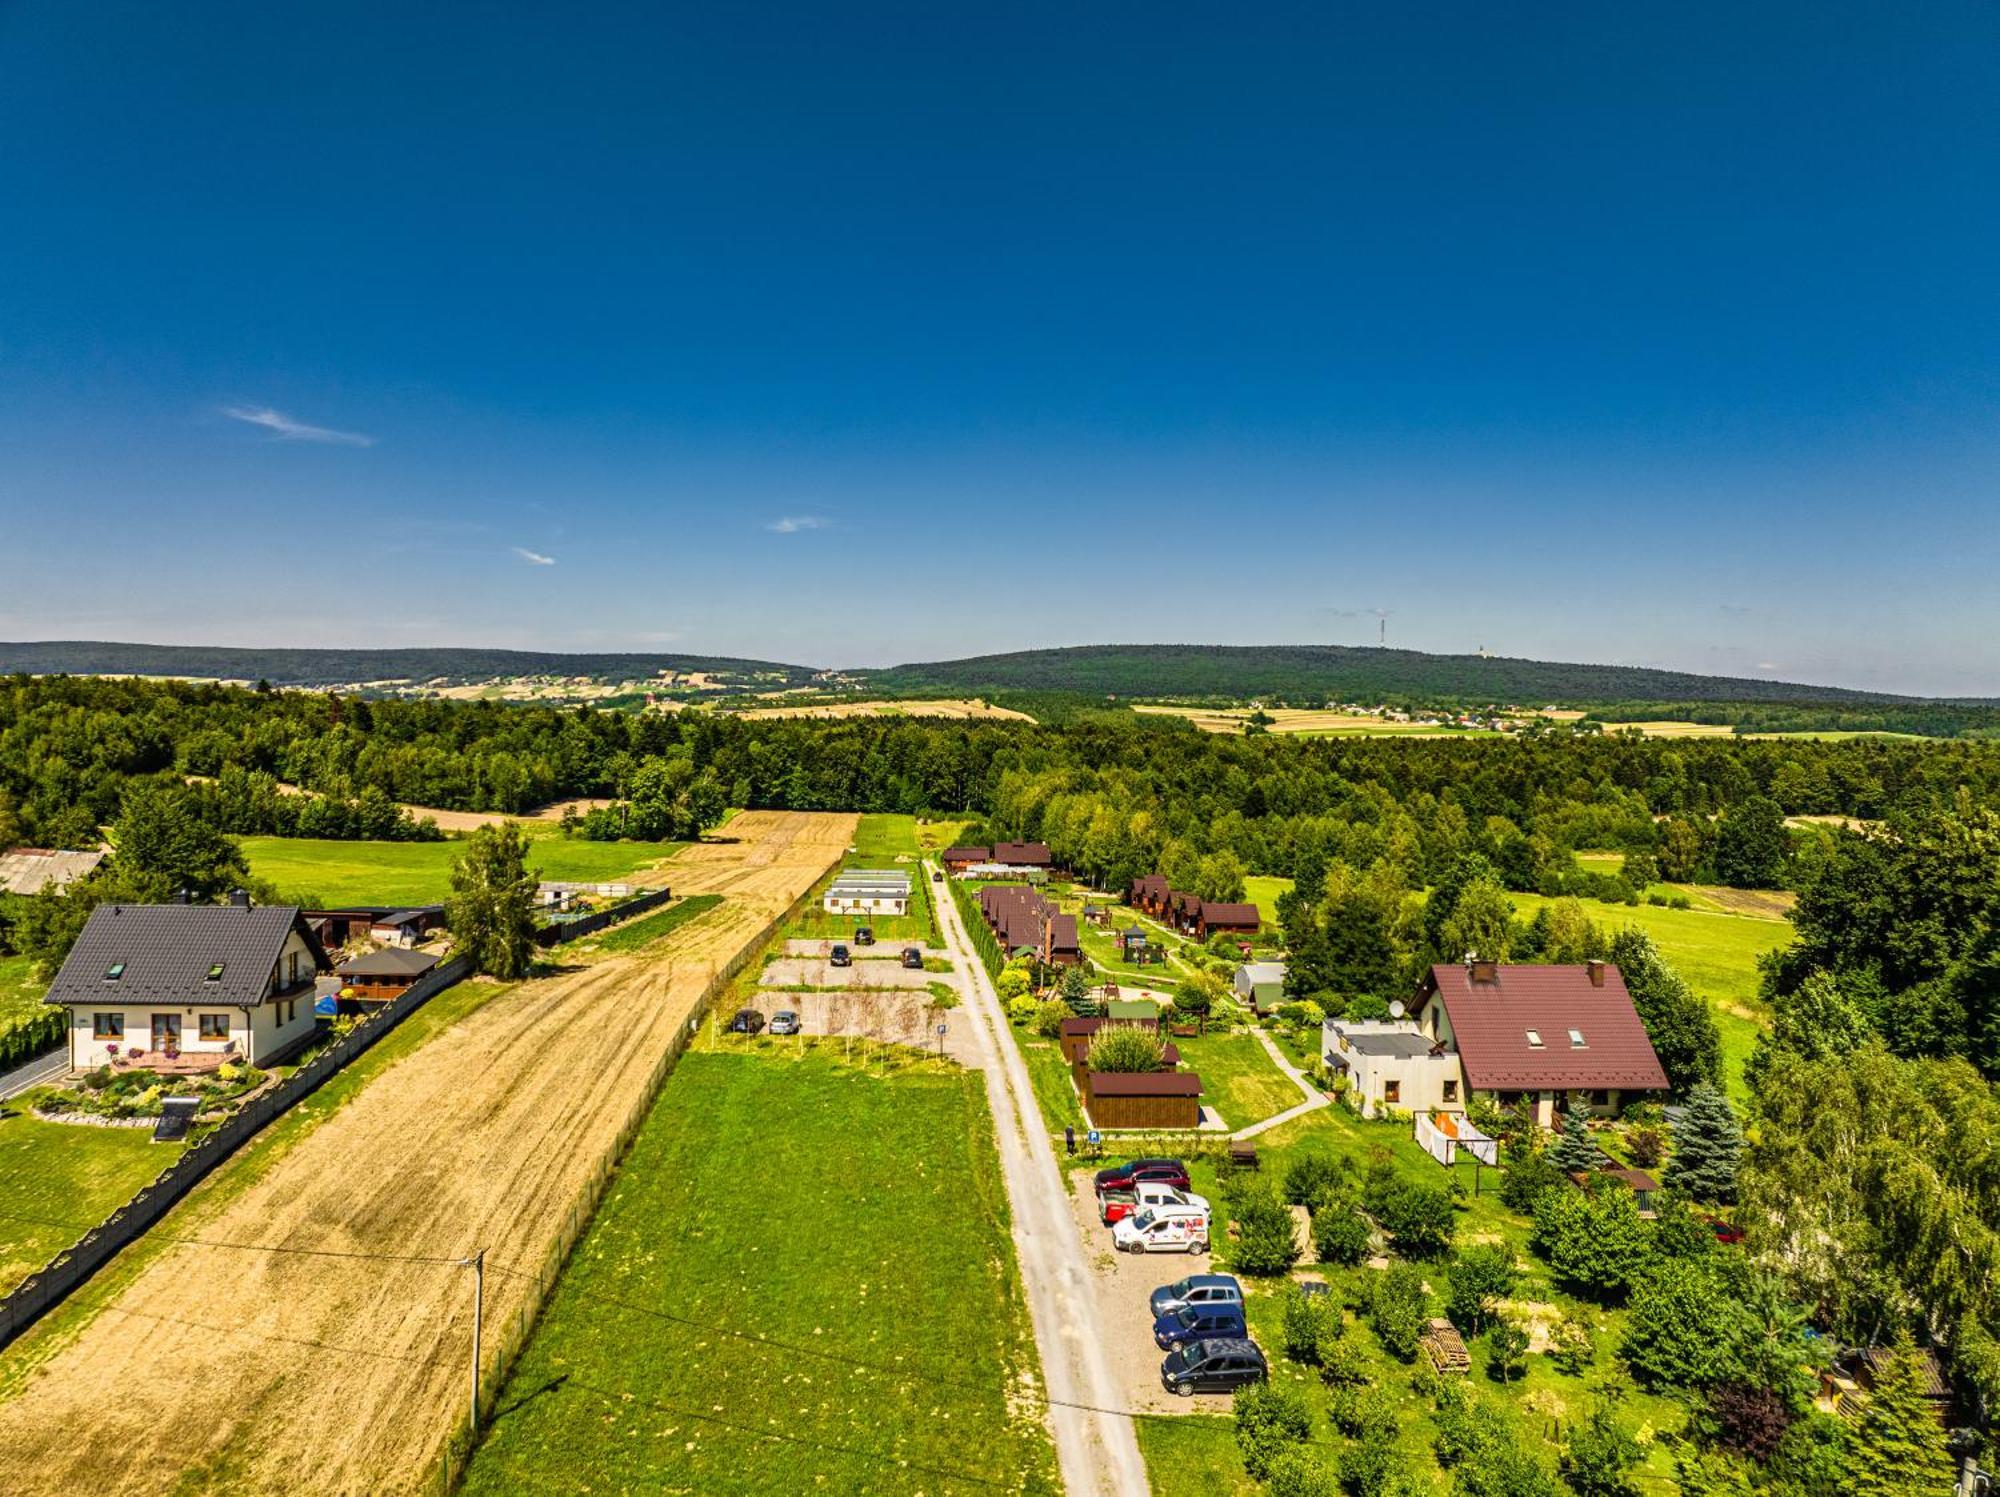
1396,1009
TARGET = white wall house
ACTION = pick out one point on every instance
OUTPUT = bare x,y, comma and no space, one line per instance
867,891
1392,1064
231,980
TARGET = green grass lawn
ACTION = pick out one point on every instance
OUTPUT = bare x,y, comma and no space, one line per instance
649,928
20,990
851,1321
1238,1078
59,1179
420,872
1263,890
1049,1074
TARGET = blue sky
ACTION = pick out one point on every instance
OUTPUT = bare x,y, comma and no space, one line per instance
848,335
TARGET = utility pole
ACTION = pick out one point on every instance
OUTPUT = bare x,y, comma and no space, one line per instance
477,1263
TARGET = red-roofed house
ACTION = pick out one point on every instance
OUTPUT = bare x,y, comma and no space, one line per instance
1540,1032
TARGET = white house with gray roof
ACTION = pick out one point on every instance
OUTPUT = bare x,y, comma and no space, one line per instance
202,982
867,891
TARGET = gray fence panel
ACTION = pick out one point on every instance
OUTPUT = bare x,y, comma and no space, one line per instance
569,930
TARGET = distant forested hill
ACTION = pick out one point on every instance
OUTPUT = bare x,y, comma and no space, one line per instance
324,667
1341,673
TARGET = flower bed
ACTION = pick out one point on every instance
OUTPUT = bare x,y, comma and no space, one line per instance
136,1092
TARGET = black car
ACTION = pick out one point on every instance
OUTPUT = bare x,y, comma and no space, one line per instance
936,876
913,958
840,957
1125,1176
747,1021
1221,1365
863,936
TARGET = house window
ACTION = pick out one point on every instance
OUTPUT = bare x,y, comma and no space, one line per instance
214,973
215,1026
113,972
107,1026
1451,1089
1534,1039
1392,1091
1576,1039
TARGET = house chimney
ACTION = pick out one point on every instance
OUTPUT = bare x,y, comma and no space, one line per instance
1483,971
183,896
1595,970
240,898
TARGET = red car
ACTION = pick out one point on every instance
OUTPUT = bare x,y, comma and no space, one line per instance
1125,1176
1724,1231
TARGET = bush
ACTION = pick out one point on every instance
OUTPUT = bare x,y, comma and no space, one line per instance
1049,1016
1418,1217
1271,1418
1366,1465
1506,1352
1480,1277
1341,1234
1572,1348
1022,1009
1299,1472
1597,1457
1527,1175
1646,1145
1397,1309
1312,1325
1267,1244
1343,1362
1125,1047
1313,1175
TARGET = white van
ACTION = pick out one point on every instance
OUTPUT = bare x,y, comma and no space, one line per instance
1163,1229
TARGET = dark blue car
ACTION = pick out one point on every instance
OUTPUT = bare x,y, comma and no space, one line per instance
1199,1323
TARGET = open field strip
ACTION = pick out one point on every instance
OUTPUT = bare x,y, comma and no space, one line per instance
851,1322
420,872
952,707
1297,720
332,1374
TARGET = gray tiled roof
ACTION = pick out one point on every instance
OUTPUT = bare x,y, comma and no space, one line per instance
389,961
168,949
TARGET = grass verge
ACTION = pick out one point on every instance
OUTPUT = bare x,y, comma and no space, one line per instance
649,928
851,1321
420,872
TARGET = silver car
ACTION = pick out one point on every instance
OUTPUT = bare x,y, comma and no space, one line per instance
784,1021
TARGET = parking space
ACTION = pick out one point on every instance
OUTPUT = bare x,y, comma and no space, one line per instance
884,1016
880,951
819,972
1123,1284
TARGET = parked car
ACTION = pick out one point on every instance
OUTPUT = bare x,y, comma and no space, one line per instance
864,936
747,1021
840,956
1196,1289
937,875
1163,1229
1125,1176
1220,1366
913,958
1115,1205
784,1021
1727,1232
1198,1323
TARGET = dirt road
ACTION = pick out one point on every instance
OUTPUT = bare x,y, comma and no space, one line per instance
1098,1451
221,1369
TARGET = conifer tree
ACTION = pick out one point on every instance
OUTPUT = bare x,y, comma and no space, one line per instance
1899,1448
1574,1151
1707,1144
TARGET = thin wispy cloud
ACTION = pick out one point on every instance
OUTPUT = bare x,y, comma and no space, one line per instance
534,557
285,429
793,524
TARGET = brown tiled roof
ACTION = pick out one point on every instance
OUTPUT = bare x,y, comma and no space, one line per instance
1150,886
1229,914
1490,1024
1932,1375
1145,1084
1022,854
968,854
1062,933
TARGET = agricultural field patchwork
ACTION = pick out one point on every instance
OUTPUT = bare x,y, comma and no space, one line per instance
849,1322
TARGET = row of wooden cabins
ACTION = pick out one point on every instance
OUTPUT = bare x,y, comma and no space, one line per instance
1190,914
1023,920
1003,857
1166,1099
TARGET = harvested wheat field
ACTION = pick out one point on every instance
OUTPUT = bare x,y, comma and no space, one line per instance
943,707
219,1369
471,821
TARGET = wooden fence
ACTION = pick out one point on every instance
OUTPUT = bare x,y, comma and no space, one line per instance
48,1287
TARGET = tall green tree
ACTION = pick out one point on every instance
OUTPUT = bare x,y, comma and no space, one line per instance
1708,1144
1677,1019
1899,1448
163,845
1751,845
491,911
